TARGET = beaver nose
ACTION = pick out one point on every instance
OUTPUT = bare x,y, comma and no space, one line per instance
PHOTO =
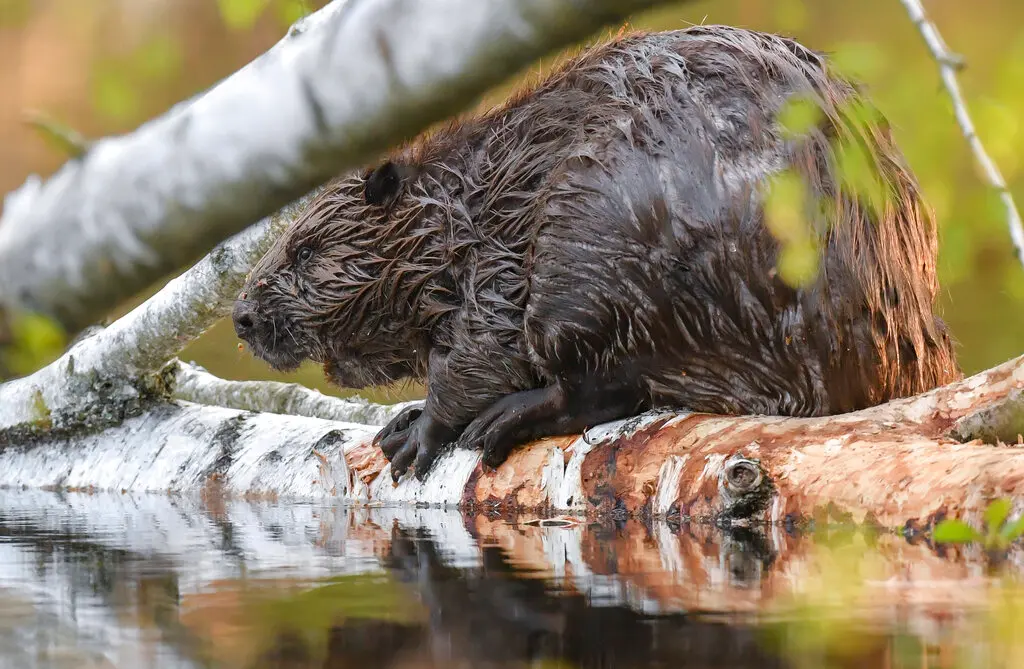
244,317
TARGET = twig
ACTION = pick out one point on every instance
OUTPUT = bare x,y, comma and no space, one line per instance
64,137
948,64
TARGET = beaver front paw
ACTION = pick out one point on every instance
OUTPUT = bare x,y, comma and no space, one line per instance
511,421
394,434
413,436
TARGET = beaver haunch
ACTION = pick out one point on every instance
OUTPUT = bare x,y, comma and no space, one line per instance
597,246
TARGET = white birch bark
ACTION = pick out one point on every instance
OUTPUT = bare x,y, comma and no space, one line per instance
109,372
896,463
194,384
347,82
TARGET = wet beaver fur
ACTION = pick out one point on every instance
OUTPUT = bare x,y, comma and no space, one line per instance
598,246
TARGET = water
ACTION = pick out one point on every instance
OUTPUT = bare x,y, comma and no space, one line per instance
109,580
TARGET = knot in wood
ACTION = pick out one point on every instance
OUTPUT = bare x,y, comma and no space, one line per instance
740,475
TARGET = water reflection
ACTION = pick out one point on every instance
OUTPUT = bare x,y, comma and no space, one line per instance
162,581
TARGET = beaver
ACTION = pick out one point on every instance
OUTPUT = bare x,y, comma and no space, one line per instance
598,246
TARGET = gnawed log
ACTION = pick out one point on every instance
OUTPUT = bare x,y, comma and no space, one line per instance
894,465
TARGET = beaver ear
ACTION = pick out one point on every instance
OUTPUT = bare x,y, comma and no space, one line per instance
383,184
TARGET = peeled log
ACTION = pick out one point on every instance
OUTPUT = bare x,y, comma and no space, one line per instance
895,465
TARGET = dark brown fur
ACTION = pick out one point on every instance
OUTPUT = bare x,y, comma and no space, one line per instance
597,246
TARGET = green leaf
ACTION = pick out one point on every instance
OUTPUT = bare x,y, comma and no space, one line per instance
955,532
241,14
1013,530
798,263
785,207
858,171
798,116
113,95
996,513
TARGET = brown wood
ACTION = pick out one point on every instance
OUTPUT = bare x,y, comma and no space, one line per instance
896,465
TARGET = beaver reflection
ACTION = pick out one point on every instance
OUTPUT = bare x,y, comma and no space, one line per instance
494,615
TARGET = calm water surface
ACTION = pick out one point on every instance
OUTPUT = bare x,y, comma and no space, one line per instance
107,580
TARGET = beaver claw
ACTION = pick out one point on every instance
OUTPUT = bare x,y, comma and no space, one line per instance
508,422
397,425
412,436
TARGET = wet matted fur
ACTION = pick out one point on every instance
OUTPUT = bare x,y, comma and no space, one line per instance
597,246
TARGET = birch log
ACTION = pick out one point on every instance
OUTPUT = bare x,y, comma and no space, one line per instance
107,375
194,384
895,465
346,83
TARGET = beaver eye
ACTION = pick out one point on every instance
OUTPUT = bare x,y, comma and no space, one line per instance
304,254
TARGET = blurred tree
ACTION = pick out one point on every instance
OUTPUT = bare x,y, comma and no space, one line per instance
140,66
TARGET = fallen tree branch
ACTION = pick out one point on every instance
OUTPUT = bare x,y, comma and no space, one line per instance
894,465
948,65
347,82
194,384
105,376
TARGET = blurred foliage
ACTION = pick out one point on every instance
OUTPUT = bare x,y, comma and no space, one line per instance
137,59
829,615
998,534
246,619
116,81
243,14
29,342
786,203
814,627
14,12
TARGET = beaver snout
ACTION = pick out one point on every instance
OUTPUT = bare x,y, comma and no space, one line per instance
247,320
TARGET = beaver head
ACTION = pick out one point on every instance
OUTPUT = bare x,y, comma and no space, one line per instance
326,289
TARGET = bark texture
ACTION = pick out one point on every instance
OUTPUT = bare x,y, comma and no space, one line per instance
895,466
108,375
194,384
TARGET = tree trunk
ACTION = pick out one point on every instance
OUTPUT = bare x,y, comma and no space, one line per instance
895,465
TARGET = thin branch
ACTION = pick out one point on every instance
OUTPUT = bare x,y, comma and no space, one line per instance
194,384
68,140
948,65
348,82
